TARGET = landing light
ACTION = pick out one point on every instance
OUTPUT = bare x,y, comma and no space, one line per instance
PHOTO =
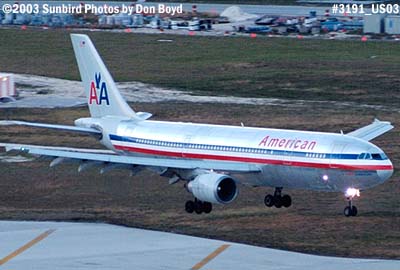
325,177
4,79
352,192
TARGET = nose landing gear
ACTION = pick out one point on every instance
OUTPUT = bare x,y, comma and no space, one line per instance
351,210
277,199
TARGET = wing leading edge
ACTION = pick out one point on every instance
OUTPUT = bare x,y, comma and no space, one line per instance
376,129
91,131
107,156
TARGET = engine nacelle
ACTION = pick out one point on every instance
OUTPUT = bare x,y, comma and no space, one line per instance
213,188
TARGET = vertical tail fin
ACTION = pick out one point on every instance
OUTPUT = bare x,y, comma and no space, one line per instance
101,92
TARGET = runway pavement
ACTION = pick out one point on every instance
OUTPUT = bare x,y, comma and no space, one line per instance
61,245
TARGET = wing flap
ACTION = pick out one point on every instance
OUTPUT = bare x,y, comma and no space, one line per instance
108,156
376,129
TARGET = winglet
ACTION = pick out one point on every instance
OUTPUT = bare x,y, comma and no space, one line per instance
376,129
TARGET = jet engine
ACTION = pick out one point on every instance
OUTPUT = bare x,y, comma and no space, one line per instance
213,188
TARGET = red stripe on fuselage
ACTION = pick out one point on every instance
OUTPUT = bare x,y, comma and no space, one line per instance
253,160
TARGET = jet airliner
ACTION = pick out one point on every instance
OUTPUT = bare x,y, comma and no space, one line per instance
213,159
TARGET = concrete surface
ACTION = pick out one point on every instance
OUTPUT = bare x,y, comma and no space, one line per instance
61,245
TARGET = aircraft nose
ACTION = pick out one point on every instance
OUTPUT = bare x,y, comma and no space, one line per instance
385,174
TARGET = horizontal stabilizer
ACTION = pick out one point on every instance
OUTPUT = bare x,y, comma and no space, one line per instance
51,126
144,115
376,129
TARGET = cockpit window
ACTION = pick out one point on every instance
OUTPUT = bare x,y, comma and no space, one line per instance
374,156
365,156
379,156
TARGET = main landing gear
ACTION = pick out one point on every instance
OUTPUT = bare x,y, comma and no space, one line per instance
277,199
198,207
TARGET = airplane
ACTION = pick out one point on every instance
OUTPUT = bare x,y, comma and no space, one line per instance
213,159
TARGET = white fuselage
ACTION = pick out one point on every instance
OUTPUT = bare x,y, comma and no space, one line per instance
286,158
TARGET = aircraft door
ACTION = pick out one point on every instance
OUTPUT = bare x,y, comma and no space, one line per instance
186,147
337,150
286,171
287,159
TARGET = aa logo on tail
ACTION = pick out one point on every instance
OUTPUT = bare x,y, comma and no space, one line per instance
98,91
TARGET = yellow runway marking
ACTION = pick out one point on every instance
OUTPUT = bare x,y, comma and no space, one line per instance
210,257
26,246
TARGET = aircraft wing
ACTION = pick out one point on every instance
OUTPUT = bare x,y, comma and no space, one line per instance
51,126
108,157
376,129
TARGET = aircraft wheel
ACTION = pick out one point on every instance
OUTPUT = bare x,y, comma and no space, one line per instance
207,207
354,211
269,200
198,207
278,202
189,207
347,211
350,211
286,201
